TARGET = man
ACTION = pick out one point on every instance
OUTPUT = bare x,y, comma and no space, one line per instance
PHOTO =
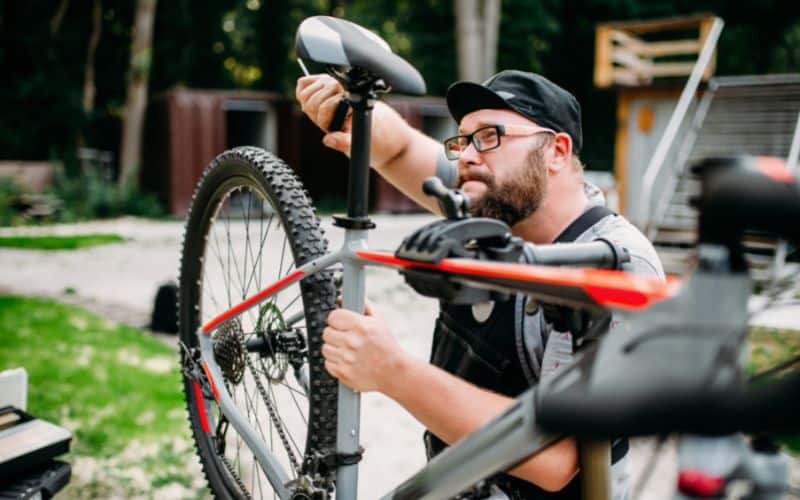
519,136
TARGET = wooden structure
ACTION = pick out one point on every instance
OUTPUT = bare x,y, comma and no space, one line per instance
646,62
187,128
624,55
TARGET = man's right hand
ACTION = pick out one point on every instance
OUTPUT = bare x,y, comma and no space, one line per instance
319,96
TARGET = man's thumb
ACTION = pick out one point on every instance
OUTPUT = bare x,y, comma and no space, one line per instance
339,141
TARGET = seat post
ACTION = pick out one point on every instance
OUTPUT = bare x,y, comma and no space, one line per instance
358,184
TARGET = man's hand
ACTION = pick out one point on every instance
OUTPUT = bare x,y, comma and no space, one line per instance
360,351
319,96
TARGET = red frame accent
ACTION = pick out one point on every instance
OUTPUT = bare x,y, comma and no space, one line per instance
774,168
609,288
208,327
211,381
201,407
700,484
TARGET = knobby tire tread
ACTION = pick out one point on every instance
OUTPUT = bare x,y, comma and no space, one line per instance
302,227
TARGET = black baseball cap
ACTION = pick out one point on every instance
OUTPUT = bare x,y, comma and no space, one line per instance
531,95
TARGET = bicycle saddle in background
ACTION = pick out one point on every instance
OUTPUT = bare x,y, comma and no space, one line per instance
344,46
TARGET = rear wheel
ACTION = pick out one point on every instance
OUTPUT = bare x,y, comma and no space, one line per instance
251,224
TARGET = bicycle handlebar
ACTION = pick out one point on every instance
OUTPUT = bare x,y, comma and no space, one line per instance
600,253
711,412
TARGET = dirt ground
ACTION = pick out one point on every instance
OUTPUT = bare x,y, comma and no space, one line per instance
119,282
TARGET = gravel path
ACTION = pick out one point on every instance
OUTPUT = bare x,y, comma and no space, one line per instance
119,281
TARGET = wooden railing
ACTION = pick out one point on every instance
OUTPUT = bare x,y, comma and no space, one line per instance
633,53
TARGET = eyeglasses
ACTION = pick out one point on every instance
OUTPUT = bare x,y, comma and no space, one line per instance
487,138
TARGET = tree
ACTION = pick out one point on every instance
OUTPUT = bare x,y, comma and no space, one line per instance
133,121
477,27
89,89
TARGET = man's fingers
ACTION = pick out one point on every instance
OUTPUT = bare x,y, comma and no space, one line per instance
368,310
333,369
327,111
339,338
336,354
340,141
344,319
304,95
322,102
303,82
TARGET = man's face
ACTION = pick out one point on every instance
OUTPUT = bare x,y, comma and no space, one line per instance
507,183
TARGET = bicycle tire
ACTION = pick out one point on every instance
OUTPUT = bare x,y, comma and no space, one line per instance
217,212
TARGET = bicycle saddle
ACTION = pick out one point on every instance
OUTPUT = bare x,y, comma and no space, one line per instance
345,45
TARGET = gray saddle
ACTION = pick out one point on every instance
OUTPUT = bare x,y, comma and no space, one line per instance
344,45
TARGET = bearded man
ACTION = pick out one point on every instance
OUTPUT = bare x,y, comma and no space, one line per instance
516,158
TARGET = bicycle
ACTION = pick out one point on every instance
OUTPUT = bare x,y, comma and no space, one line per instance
248,358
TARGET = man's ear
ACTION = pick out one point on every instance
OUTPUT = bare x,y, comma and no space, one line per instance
562,151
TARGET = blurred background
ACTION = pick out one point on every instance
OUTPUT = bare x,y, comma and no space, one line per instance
91,86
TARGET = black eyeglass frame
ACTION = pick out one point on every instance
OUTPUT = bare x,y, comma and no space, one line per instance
500,130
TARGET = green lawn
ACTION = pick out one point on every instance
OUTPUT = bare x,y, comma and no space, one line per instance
769,347
59,242
115,387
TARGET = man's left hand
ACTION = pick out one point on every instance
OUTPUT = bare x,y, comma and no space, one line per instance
360,351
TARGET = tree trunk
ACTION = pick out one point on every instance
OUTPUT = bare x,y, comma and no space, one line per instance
477,27
491,31
58,17
133,121
89,89
469,38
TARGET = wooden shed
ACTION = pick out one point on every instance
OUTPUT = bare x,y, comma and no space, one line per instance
187,128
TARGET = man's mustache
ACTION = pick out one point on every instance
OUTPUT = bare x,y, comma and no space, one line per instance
476,176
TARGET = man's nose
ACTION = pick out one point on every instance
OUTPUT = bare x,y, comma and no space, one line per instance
469,154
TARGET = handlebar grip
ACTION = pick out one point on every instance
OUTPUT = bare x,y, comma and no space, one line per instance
600,253
433,186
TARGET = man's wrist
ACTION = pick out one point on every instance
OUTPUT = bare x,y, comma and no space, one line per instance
397,371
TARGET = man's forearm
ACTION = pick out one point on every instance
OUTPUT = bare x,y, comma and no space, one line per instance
452,408
407,170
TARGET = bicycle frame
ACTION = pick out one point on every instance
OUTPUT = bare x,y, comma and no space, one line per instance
501,444
505,442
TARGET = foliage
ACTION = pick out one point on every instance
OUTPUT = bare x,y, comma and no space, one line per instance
113,386
9,194
249,44
94,195
55,242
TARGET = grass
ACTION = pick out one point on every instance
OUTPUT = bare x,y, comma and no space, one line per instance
115,387
769,347
59,242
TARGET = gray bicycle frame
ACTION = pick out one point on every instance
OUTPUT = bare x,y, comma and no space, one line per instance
499,445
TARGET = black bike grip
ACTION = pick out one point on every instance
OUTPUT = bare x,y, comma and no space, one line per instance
339,116
433,186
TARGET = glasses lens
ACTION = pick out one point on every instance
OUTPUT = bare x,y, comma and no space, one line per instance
485,139
454,146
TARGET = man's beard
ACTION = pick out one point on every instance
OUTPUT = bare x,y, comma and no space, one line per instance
518,197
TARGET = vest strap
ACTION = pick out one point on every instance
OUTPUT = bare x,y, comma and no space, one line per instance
586,220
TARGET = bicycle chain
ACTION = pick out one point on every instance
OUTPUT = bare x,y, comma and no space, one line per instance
236,477
272,413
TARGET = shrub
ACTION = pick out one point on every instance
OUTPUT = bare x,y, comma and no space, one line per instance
93,195
9,198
